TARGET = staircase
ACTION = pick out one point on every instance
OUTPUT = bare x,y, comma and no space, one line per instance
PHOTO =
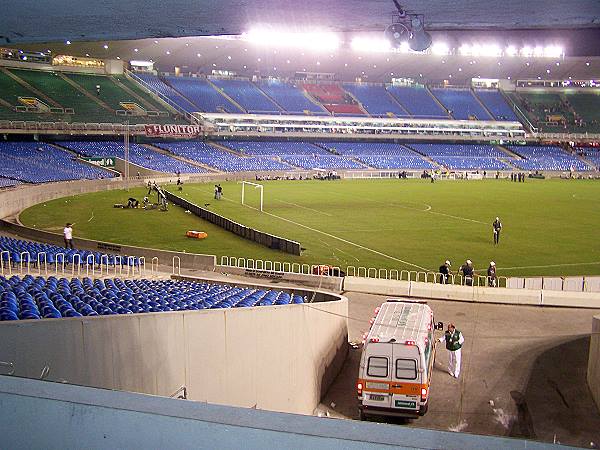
485,108
181,158
224,94
26,85
440,104
89,95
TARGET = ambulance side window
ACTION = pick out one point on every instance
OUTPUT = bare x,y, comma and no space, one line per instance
377,367
406,369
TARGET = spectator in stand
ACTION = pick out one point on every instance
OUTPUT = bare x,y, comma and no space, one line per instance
491,274
68,235
445,272
467,271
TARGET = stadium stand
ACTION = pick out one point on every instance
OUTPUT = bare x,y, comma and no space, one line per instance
275,148
587,111
7,182
53,85
37,298
547,158
220,159
591,154
165,91
115,96
547,111
396,162
418,102
289,97
247,95
322,162
334,99
464,156
10,92
496,104
138,154
202,94
18,251
34,162
376,100
461,104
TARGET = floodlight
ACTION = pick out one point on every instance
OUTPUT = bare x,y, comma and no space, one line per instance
367,44
440,48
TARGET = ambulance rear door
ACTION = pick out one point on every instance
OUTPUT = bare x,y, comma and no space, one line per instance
377,375
406,378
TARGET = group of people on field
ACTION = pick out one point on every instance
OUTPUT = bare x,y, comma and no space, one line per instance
467,270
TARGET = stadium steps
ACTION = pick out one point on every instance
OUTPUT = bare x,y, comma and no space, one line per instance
179,93
128,83
314,101
362,108
440,104
329,150
224,94
271,99
85,92
509,152
397,102
485,108
82,161
508,163
30,88
142,101
6,104
180,158
229,150
424,156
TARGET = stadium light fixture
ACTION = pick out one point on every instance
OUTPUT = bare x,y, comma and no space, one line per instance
511,50
553,51
311,40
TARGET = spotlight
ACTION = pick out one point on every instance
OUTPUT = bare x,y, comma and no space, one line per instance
419,40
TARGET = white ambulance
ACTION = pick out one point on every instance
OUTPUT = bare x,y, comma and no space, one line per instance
397,361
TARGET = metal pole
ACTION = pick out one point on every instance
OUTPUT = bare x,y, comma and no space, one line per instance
126,144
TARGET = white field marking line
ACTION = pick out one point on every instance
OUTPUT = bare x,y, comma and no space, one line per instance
346,253
90,219
336,237
303,207
427,209
593,263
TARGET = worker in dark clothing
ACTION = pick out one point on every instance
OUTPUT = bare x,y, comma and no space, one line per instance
467,271
445,272
491,274
497,228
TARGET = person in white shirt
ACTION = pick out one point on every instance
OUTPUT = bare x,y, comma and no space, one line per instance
454,341
68,235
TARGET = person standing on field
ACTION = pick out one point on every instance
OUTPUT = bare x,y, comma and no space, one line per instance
454,342
497,228
68,235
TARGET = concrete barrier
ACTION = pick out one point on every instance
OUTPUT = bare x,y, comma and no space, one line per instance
377,286
533,283
507,296
442,291
573,284
571,299
315,281
553,283
280,358
593,370
592,284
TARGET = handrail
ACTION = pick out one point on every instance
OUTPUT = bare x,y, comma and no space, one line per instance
178,259
2,262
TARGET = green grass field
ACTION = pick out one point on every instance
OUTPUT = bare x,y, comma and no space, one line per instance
550,226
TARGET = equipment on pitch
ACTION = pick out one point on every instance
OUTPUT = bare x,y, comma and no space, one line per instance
256,186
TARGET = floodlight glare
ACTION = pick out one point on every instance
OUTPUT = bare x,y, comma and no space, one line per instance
310,40
440,48
366,44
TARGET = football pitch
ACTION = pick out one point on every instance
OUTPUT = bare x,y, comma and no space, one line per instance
550,227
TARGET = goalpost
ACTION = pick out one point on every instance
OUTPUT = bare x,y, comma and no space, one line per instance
256,186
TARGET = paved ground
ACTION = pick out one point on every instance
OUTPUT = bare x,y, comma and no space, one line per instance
523,374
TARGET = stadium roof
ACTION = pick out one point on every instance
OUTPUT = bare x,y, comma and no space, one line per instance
202,55
56,20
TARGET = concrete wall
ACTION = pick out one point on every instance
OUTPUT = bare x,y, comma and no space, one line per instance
280,358
478,294
593,372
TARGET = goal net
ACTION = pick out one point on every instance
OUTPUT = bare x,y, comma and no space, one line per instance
249,192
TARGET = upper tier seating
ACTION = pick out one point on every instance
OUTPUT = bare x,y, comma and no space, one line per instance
140,155
289,97
202,94
461,103
247,95
55,87
157,85
37,298
587,107
10,91
471,163
35,162
395,162
112,94
376,100
418,102
496,104
322,162
334,99
547,157
275,148
221,159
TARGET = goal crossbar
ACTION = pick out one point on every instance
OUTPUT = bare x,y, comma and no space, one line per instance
256,186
